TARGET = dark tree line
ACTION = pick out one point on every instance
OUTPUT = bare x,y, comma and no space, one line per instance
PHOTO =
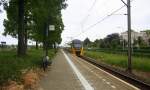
114,41
110,41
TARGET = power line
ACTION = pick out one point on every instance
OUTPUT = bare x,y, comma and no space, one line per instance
106,17
109,15
92,6
86,17
90,9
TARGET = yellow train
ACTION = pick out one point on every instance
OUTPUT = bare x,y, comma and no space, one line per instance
77,47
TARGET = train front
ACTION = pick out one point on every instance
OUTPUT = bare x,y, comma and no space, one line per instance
77,47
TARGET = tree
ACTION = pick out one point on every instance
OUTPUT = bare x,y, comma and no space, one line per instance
112,41
102,43
34,18
123,43
141,42
96,43
21,36
86,42
3,3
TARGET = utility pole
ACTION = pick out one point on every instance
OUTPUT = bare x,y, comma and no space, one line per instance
129,69
129,36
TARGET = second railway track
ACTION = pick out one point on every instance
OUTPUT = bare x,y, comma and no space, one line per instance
128,77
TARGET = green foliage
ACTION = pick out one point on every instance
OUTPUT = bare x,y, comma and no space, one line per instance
3,3
38,15
111,41
11,66
118,60
95,43
114,41
87,42
47,13
144,52
141,42
11,23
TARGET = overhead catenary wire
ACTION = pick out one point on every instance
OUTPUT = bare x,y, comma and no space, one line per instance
90,9
106,17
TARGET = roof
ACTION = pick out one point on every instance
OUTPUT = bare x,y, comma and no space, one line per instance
76,41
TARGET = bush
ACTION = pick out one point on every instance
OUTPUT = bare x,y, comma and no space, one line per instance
136,52
11,66
138,63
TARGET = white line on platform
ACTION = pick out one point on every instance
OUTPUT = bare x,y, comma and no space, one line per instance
113,86
113,76
104,79
108,83
93,72
84,82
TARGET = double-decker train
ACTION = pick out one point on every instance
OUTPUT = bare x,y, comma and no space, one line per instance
77,47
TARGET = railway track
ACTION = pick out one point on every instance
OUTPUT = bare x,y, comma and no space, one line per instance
124,75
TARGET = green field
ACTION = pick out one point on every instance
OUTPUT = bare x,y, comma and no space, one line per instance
11,66
120,60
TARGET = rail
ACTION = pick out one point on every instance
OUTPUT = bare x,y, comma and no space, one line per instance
128,77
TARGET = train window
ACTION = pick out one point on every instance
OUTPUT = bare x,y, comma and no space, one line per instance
77,45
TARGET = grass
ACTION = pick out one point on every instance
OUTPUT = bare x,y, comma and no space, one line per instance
118,60
11,66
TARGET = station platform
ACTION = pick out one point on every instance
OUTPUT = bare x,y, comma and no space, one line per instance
69,72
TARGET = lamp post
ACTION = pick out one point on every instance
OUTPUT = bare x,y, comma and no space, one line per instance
49,28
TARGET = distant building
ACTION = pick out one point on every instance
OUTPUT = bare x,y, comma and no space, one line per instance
135,35
3,44
145,36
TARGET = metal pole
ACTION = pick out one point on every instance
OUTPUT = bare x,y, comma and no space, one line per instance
122,43
46,52
129,69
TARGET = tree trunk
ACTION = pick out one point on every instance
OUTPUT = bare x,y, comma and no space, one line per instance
26,40
44,38
37,47
21,36
55,47
45,41
26,33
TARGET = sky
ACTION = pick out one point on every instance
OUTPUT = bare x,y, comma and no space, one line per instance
8,39
82,14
